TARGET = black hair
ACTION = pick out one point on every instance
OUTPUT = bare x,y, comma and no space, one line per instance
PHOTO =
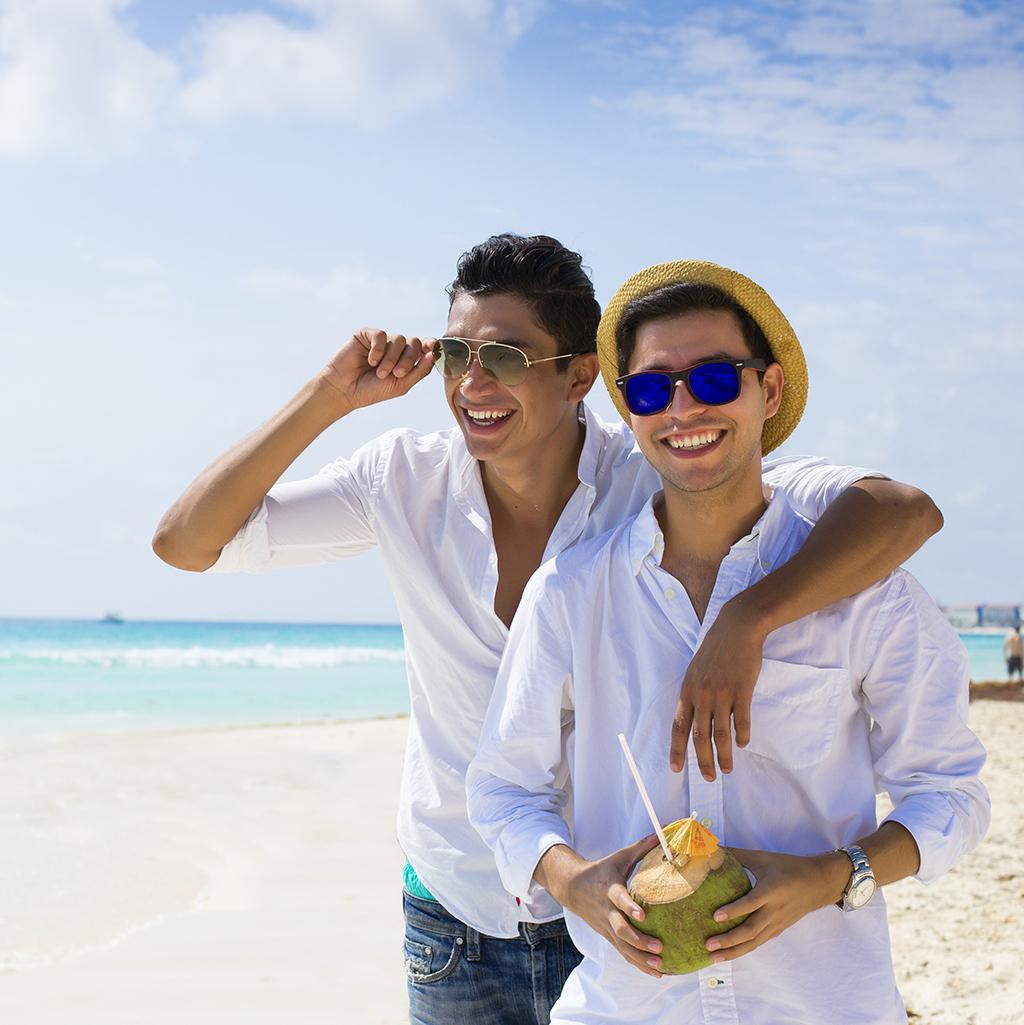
679,298
545,275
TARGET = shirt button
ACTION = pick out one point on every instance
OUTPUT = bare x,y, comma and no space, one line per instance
712,983
669,593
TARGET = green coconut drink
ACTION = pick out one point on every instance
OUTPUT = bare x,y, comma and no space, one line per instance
679,897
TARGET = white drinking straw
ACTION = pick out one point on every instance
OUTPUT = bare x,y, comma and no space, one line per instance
647,801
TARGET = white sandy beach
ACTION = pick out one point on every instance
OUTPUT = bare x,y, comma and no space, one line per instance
251,876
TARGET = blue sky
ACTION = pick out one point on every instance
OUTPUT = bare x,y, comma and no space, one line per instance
200,201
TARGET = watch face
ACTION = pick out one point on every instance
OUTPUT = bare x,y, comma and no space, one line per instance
860,893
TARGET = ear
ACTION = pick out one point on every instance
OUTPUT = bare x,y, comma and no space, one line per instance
582,374
771,387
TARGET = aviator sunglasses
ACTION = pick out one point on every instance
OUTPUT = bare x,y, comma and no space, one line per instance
713,383
507,363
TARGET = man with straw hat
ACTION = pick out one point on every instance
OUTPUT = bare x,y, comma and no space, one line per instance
873,690
462,517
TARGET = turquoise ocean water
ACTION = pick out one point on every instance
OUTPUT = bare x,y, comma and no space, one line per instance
59,674
72,673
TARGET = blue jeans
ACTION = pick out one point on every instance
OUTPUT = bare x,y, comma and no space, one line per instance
456,976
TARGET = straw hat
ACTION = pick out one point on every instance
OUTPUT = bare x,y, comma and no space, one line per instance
755,300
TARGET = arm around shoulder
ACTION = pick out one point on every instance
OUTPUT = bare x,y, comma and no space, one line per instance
916,513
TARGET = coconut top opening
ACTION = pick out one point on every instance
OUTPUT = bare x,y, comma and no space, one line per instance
659,881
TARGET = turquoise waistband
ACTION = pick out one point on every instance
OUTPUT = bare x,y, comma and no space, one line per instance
414,885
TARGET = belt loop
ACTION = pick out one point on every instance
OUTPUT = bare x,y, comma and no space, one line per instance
472,944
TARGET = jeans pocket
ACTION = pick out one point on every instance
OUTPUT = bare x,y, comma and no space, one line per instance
432,960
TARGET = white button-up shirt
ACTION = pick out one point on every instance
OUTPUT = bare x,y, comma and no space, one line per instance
868,694
419,498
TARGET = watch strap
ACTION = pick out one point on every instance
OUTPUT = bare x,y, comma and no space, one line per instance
861,870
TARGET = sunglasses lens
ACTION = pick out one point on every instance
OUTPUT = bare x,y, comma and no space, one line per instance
715,384
646,394
507,364
452,357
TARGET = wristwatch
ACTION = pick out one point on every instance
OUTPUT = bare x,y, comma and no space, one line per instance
862,882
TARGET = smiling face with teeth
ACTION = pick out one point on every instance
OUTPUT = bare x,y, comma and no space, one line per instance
514,426
696,447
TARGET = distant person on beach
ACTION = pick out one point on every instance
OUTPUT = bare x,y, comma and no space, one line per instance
1014,653
462,518
867,695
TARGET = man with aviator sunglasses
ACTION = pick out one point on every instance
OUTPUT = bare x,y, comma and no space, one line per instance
462,519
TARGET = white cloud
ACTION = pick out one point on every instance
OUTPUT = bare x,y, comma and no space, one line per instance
518,16
845,28
348,297
74,74
132,265
920,87
357,62
943,236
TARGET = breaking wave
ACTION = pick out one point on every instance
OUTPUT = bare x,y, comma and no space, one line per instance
265,656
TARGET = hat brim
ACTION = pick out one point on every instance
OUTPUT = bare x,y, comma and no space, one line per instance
782,340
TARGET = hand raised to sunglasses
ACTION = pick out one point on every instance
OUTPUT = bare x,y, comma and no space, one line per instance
373,366
716,692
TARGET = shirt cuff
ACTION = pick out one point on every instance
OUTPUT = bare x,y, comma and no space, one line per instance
249,550
944,827
518,853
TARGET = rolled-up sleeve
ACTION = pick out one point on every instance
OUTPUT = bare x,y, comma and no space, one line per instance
925,756
810,483
517,785
307,522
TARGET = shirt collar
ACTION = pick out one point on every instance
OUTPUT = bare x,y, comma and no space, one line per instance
771,533
766,540
593,446
465,465
645,536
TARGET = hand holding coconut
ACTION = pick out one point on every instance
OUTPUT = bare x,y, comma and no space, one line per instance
685,895
787,888
596,892
677,888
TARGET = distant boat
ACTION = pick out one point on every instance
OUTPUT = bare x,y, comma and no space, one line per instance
113,617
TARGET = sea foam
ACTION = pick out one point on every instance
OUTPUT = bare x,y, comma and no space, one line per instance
267,656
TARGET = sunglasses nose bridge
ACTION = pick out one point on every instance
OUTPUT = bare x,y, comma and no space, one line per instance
683,400
476,376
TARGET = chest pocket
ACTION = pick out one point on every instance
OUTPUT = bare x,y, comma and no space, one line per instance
794,712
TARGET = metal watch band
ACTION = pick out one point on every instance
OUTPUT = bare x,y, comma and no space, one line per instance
861,872
857,856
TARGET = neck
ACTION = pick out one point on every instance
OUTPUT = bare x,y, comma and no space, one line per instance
535,486
700,527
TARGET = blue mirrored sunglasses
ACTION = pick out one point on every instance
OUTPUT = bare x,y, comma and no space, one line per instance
713,383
